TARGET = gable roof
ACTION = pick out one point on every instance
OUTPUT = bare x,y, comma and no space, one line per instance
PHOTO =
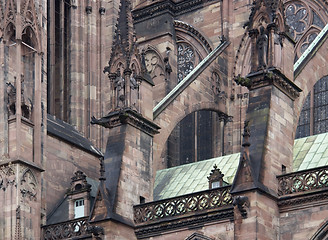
61,212
309,152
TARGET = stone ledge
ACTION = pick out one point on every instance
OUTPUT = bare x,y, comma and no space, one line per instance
23,162
127,116
191,221
303,200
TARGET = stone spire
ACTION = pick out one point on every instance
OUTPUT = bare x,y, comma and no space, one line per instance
124,39
126,68
270,7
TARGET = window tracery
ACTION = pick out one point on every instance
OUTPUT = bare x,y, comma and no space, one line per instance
305,23
320,105
186,60
314,115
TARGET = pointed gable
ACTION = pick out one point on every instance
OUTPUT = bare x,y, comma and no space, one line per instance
30,19
124,39
10,12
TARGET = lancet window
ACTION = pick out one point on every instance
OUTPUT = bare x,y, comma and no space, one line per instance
314,116
186,60
58,57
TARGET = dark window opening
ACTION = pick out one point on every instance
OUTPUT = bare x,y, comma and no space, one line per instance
194,138
314,115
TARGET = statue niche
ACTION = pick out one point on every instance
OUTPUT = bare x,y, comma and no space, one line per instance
26,103
262,49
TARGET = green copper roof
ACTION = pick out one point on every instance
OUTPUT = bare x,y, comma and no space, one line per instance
192,177
309,152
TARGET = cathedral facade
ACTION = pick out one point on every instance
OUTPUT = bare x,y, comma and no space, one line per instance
164,119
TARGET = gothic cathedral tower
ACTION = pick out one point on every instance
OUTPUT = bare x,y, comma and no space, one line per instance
22,123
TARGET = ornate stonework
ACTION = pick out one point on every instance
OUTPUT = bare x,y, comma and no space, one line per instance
28,185
7,176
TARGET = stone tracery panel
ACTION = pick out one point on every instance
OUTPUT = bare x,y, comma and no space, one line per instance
28,185
186,60
305,23
154,64
7,177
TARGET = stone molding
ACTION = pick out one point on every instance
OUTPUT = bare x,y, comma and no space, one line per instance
270,76
304,200
149,230
191,29
174,8
127,116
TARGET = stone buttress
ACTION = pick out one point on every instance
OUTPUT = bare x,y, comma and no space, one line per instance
21,54
127,176
268,134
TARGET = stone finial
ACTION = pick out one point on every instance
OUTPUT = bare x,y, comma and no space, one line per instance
215,179
79,183
79,175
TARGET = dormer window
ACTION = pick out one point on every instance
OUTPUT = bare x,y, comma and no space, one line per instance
216,184
215,179
79,208
79,195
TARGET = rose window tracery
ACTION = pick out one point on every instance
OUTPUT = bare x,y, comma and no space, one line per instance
304,24
186,60
297,18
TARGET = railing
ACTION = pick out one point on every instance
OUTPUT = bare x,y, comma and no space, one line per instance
190,203
302,181
66,230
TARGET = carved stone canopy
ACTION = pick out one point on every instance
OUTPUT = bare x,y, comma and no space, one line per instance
79,183
215,179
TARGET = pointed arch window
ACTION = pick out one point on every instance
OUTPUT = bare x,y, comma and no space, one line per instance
186,60
314,115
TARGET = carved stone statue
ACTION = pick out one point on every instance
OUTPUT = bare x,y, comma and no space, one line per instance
262,48
277,50
11,104
119,85
26,103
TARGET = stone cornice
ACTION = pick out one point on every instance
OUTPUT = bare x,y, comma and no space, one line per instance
168,6
23,162
303,200
154,229
270,76
127,116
